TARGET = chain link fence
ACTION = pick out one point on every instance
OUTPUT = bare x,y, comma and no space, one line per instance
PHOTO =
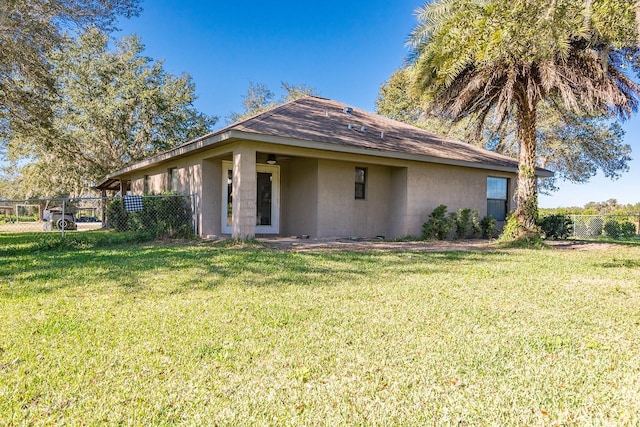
166,215
614,226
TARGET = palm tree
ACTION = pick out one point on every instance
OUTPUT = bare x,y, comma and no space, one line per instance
637,12
503,58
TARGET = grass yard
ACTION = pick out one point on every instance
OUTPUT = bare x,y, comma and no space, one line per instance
201,334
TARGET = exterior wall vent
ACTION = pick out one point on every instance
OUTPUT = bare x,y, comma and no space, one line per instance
348,110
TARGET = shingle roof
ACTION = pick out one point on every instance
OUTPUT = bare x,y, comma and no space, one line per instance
323,120
326,122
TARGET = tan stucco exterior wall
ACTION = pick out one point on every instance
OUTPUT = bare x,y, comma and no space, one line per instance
398,225
430,185
199,174
399,199
299,197
210,207
188,173
340,214
318,192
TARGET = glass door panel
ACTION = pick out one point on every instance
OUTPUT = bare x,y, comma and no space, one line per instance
229,200
263,200
267,198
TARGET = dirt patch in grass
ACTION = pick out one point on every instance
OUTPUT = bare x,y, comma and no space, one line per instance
364,245
358,245
572,245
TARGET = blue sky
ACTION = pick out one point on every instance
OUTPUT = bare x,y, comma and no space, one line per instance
344,49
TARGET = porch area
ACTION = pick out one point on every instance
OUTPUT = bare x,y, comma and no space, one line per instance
251,192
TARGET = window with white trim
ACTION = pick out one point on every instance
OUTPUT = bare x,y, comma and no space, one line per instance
147,184
497,190
361,183
173,180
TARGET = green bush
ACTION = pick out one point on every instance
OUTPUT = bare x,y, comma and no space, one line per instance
615,229
612,229
511,229
466,223
438,225
165,216
20,218
476,229
556,226
174,217
488,227
118,217
627,229
514,235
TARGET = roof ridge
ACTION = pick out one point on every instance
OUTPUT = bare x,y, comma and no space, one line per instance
243,122
267,113
443,138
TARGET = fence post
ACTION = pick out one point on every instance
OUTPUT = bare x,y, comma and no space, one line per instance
194,209
62,222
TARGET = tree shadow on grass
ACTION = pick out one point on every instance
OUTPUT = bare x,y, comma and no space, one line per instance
617,263
133,268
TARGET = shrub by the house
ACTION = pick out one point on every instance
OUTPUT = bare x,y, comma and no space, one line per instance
165,216
464,223
556,226
488,228
438,225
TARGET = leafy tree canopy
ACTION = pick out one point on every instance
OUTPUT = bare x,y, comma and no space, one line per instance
574,146
608,207
259,98
29,31
497,59
114,107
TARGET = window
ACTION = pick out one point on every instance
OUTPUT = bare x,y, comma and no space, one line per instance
497,198
173,180
361,182
147,184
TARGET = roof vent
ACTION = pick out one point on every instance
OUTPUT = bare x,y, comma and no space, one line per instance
363,129
352,126
382,135
348,110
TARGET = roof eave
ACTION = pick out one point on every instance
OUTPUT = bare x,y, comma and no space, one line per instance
236,134
228,135
180,151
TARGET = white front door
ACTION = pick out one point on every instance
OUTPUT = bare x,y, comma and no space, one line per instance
267,198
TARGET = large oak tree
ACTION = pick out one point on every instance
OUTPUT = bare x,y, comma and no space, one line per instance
29,31
115,106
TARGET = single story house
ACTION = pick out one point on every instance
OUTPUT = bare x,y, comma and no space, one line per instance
320,168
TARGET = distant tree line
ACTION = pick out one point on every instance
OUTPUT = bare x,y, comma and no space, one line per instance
609,207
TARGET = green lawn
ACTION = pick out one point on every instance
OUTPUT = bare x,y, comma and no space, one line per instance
202,334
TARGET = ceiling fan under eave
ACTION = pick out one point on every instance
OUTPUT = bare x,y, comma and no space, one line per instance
272,158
